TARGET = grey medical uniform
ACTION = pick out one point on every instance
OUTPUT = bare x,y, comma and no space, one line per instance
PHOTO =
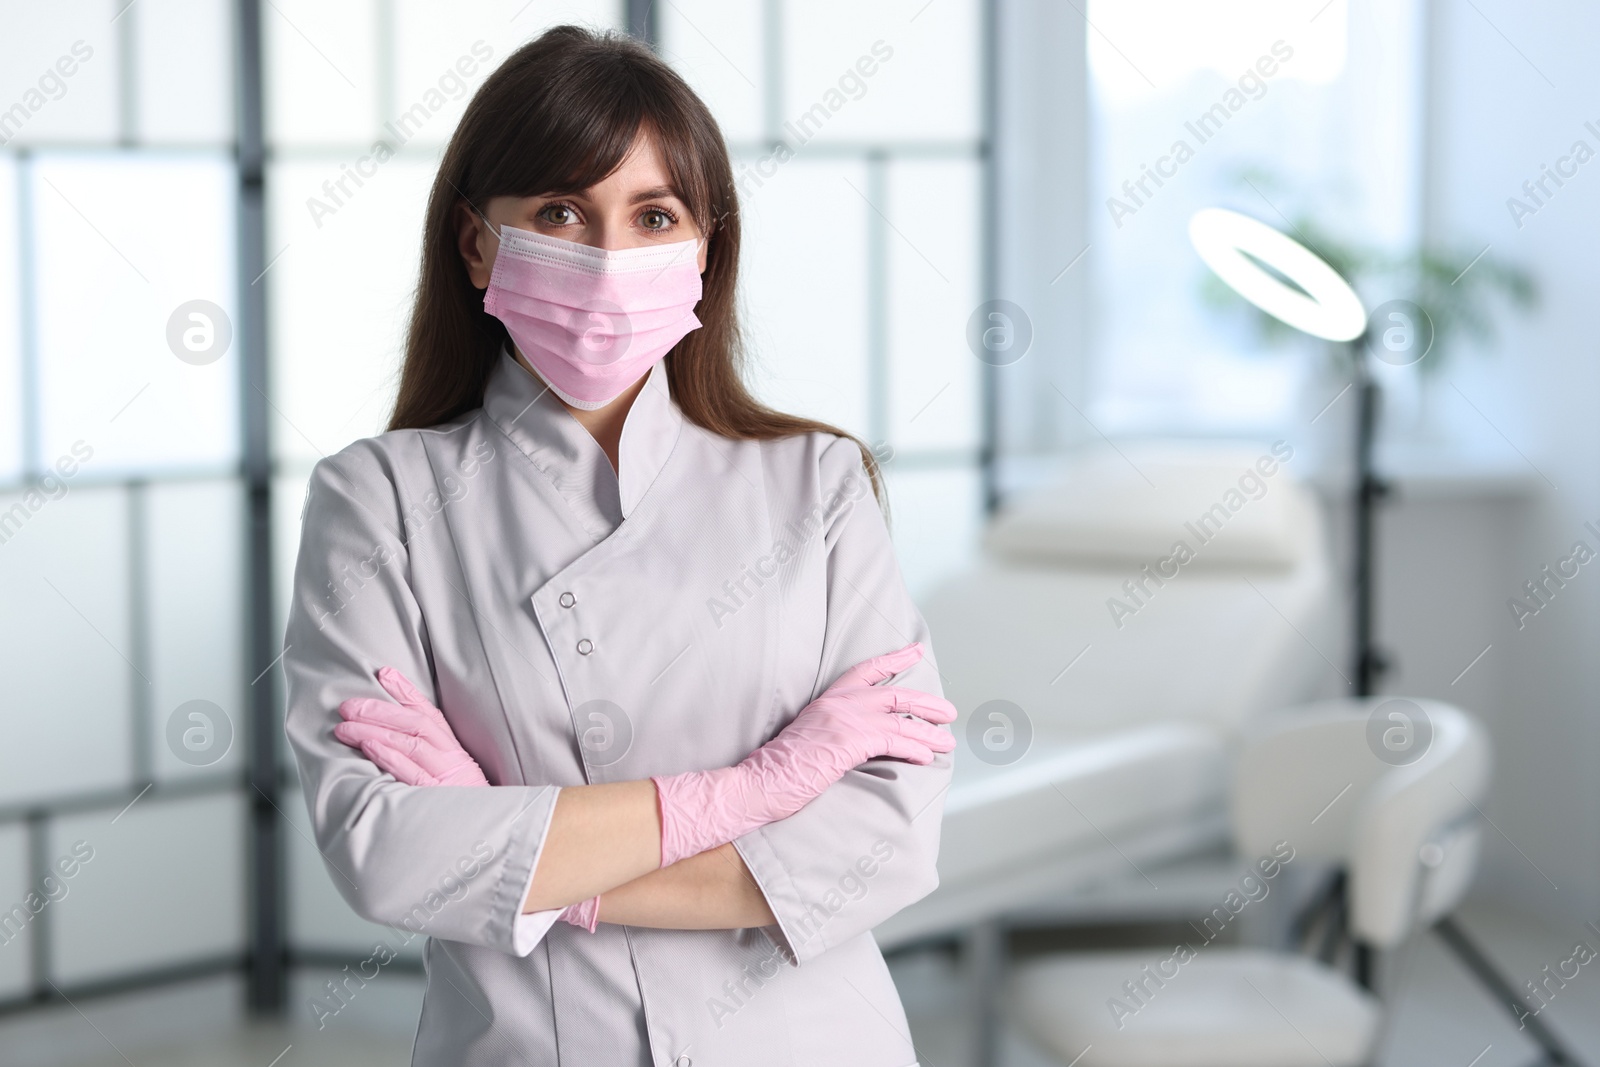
581,625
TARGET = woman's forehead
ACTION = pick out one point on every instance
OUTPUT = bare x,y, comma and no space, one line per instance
642,168
641,174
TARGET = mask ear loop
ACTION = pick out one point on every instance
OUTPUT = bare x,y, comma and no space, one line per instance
474,209
492,227
499,237
703,241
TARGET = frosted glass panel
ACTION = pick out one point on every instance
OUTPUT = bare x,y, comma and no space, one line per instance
165,884
336,331
936,515
185,69
58,73
934,270
804,298
195,540
11,447
717,46
322,71
16,934
917,76
123,241
64,642
431,39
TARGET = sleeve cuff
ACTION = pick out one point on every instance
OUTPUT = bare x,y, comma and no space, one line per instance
781,894
529,928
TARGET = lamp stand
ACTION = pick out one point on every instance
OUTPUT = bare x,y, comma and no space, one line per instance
1369,662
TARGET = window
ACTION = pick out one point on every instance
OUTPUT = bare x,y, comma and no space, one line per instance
120,504
1282,111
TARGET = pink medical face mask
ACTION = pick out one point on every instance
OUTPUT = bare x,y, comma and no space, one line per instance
591,321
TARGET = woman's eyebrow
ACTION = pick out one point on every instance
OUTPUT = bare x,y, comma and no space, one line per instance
658,193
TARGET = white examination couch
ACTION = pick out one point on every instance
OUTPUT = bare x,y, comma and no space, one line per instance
1132,726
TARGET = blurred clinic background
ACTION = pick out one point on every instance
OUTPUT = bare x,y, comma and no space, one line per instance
977,257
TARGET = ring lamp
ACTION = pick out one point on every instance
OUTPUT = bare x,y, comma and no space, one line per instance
1332,310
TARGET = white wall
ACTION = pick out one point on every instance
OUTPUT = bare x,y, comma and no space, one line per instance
1512,85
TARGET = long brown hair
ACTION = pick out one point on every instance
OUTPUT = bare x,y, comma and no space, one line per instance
560,114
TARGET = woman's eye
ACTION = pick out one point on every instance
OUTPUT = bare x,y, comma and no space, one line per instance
655,220
557,214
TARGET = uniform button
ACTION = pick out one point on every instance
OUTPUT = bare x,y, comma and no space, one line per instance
567,600
683,1061
585,647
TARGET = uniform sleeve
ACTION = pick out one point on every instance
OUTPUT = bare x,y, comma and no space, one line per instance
447,862
867,846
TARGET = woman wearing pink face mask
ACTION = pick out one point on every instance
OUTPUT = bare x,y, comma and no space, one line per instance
597,635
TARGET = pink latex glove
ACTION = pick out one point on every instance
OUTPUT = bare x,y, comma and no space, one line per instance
410,738
854,720
412,741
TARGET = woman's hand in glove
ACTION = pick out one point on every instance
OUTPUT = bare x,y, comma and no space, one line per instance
854,720
409,738
412,741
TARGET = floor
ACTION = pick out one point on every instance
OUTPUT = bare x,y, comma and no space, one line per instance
1439,1015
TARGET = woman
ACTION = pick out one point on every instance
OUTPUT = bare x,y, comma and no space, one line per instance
590,635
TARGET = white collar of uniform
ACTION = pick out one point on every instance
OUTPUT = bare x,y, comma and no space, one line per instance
538,423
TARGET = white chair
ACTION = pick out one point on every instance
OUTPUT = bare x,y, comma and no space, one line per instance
1315,780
